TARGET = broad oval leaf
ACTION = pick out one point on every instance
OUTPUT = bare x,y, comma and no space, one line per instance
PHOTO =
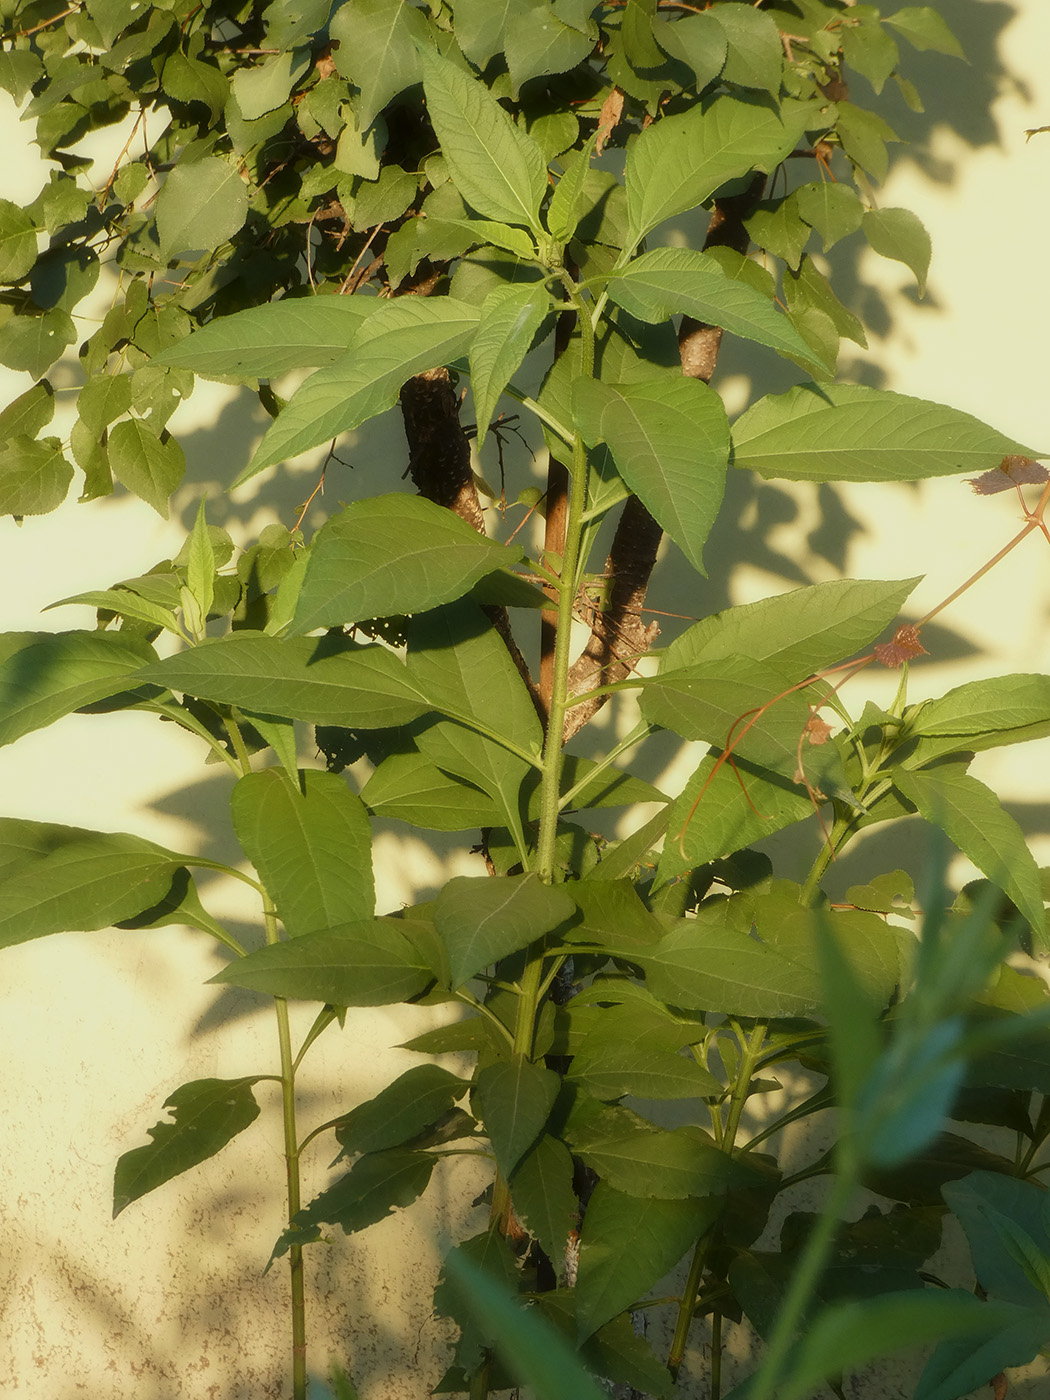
669,280
207,1113
984,707
849,432
34,476
263,342
200,206
370,962
900,235
151,466
410,788
377,51
45,675
312,846
299,677
391,555
17,242
542,1191
496,166
669,438
484,919
399,339
373,1187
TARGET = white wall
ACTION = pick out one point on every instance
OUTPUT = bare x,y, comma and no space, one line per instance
96,1030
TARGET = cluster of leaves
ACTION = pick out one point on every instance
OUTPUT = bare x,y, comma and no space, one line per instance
330,161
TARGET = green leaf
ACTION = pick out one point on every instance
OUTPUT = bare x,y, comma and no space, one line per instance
800,631
970,815
538,43
566,206
834,210
410,788
126,604
544,1200
311,846
377,50
515,1099
389,555
901,235
846,1336
484,919
401,1111
76,880
200,566
778,227
373,1187
925,28
29,413
45,675
207,1113
608,1070
705,963
33,343
17,242
370,962
150,466
201,206
849,432
669,280
510,318
963,1364
867,49
264,342
34,476
978,708
863,136
698,41
627,1244
399,339
737,808
755,56
264,87
300,677
669,440
634,1156
496,166
679,162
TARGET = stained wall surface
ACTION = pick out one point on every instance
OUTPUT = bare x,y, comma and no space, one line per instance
171,1298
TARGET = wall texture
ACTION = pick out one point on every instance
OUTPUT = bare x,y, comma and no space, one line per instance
95,1030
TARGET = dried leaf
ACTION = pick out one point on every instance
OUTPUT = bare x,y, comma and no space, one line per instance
904,646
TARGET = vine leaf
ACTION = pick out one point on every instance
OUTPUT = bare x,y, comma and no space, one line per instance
207,1113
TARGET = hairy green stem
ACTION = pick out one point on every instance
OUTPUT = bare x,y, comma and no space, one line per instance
291,1159
687,1303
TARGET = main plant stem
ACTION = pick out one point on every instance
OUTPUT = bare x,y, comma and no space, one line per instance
291,1144
291,1163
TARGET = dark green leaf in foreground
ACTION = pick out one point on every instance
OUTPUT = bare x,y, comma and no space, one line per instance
849,432
543,1195
370,962
390,555
208,1114
483,919
312,846
534,1353
44,675
298,677
62,879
